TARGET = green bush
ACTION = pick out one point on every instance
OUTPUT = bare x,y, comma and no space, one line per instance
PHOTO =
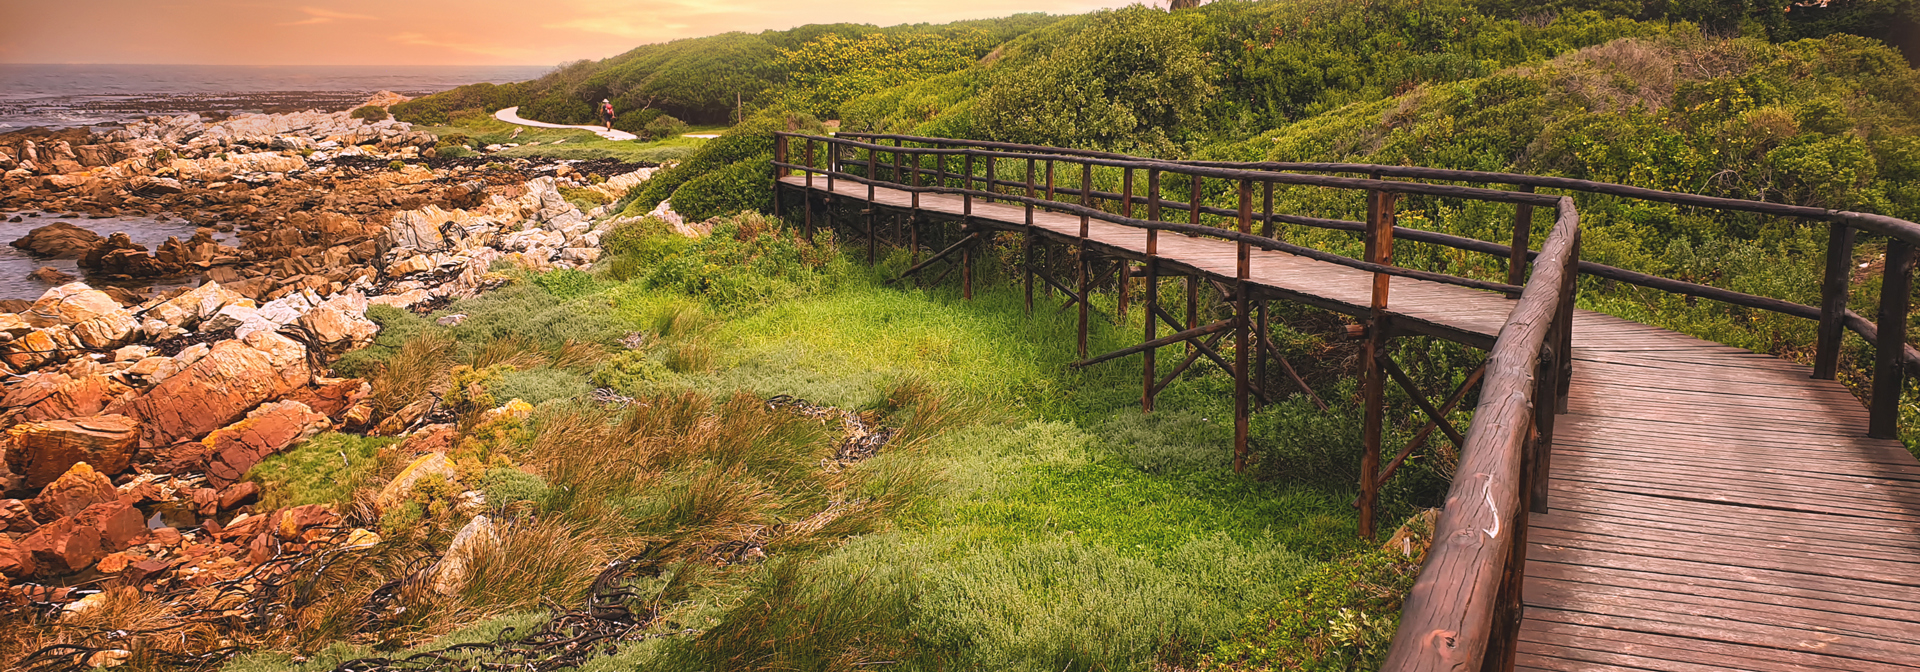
748,143
325,469
507,486
539,385
369,113
664,126
742,187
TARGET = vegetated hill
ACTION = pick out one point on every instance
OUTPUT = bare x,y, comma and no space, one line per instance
701,80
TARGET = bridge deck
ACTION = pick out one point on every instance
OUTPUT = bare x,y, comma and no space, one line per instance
1712,508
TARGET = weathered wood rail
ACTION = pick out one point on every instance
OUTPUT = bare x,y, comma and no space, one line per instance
1710,508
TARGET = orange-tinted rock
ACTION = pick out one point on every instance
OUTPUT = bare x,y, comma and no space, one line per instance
332,397
15,562
207,502
234,449
144,571
74,398
73,492
43,451
70,304
220,388
239,494
14,516
164,536
290,522
243,527
116,563
59,240
32,388
120,525
63,547
261,549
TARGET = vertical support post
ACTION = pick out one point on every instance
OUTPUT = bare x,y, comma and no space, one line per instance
1261,335
1568,294
1026,242
966,272
1889,357
1373,379
1545,382
992,187
1266,215
1049,179
1834,291
940,163
779,170
1126,266
966,199
1517,255
1151,310
833,166
873,208
913,222
1086,292
807,203
1503,638
1240,327
896,161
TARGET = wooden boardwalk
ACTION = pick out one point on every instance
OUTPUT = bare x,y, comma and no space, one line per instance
1711,508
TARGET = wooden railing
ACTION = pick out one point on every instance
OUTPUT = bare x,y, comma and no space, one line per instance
1894,357
1464,610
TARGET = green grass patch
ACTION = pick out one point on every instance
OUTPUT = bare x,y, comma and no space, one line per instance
325,469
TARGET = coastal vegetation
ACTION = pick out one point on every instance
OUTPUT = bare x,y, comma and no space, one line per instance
748,449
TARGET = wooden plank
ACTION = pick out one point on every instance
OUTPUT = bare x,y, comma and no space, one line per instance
1655,648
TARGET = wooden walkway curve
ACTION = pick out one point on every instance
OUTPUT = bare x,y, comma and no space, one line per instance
1712,508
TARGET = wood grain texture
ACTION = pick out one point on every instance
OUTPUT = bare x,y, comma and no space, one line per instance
1711,508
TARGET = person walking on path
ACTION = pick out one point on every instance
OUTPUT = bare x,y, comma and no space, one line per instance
606,113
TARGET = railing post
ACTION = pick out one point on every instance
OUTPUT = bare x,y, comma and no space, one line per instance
940,163
1241,342
833,166
1889,357
896,161
1152,309
807,203
1086,201
1834,291
1193,281
1266,212
966,199
1522,231
873,208
991,187
1126,266
1379,250
1569,293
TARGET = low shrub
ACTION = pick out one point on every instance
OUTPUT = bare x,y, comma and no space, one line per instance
369,113
665,126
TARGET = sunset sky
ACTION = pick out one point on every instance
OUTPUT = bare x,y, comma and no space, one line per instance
427,32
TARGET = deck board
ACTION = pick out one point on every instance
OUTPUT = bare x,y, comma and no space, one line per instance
1711,508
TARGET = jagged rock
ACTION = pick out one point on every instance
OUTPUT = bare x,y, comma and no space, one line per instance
15,325
147,185
241,319
293,522
73,492
14,517
119,524
239,494
220,388
108,330
63,546
401,487
70,304
132,353
33,387
51,275
44,451
72,398
339,324
59,240
187,310
234,449
16,562
33,349
332,397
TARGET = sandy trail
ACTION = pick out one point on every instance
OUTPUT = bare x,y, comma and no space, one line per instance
510,116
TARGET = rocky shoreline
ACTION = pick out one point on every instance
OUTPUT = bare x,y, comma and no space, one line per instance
132,416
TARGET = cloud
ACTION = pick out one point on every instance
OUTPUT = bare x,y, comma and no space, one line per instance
316,16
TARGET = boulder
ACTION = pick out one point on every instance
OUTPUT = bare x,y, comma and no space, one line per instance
73,492
59,240
120,525
74,397
450,573
220,388
239,494
14,517
108,330
64,547
291,523
44,451
332,397
33,349
340,324
401,487
147,185
269,429
70,304
16,562
187,310
241,319
33,387
51,275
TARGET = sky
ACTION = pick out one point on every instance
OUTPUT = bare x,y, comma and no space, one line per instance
428,32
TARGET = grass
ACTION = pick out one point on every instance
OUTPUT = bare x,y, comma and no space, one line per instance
1028,516
562,143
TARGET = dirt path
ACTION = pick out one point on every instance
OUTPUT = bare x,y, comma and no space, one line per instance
511,116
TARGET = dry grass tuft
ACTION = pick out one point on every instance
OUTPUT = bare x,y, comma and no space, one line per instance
578,355
515,350
419,369
535,562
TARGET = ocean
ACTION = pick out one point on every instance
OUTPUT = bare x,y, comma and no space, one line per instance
63,95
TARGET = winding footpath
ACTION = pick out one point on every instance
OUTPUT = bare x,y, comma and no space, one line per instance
511,115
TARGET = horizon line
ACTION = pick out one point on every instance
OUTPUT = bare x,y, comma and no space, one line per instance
315,65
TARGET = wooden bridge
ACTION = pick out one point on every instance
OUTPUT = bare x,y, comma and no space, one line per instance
1688,505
